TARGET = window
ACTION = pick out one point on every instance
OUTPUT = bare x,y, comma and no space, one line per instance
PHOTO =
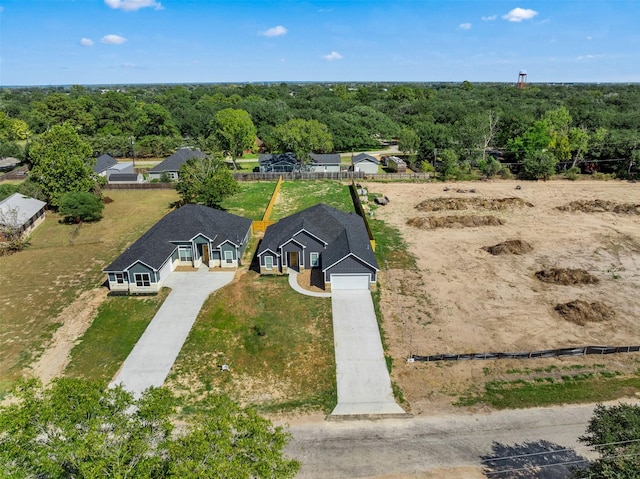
228,257
142,279
119,278
268,262
315,259
185,254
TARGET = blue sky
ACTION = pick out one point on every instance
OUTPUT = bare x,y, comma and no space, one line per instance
60,42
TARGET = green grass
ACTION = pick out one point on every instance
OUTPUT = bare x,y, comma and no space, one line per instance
252,200
62,262
581,388
391,249
299,195
120,322
277,343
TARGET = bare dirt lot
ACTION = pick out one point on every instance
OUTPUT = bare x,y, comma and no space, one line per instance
462,299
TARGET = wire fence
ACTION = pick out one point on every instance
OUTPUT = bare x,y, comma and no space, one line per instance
545,353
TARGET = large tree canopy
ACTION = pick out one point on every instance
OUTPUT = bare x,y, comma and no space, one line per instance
303,137
61,163
80,429
206,181
234,132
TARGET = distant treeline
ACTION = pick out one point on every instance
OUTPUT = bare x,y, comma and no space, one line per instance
580,124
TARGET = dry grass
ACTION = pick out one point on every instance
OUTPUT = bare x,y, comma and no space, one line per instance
62,262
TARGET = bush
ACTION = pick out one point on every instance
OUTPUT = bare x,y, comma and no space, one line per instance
572,173
77,206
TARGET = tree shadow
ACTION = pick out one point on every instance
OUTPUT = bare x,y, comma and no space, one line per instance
531,460
317,278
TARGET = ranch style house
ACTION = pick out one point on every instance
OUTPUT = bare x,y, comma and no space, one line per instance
193,235
325,240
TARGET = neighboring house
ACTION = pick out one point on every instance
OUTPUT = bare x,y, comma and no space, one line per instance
8,163
125,179
121,169
21,213
396,165
324,239
326,163
278,163
192,235
172,164
103,163
365,163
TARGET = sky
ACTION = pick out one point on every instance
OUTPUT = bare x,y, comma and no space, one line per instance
106,42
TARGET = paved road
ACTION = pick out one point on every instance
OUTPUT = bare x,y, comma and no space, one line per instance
151,359
364,386
358,449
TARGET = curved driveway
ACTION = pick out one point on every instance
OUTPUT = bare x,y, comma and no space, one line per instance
151,359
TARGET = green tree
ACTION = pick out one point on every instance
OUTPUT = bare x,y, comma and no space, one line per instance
234,132
81,429
61,163
408,143
206,181
613,432
303,137
449,166
539,165
77,206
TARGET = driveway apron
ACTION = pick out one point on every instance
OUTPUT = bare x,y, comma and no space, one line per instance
364,386
151,359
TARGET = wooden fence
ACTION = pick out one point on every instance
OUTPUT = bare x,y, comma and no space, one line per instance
360,210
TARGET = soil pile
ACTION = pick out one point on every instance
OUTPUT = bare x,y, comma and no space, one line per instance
432,222
566,276
601,206
493,204
509,247
580,312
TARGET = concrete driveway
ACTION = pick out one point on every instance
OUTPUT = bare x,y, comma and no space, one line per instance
364,386
151,359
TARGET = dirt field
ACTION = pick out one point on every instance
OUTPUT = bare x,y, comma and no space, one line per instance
463,299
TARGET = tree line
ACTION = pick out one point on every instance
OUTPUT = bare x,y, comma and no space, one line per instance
453,127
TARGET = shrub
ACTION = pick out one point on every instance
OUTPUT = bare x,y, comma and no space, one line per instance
77,206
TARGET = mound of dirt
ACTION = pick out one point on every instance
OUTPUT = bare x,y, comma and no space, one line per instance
432,222
493,204
566,276
580,312
509,247
106,200
602,206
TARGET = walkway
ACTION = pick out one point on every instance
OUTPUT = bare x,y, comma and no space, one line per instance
364,386
155,352
293,282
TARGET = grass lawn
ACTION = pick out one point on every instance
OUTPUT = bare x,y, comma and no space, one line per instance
252,200
298,195
120,322
62,262
278,345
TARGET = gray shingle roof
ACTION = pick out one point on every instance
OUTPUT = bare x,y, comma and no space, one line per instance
344,233
365,157
175,161
104,162
325,159
154,247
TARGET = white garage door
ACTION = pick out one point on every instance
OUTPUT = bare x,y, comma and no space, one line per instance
350,281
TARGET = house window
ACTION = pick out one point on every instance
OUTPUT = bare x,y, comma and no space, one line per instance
268,262
228,257
315,259
184,252
119,278
142,279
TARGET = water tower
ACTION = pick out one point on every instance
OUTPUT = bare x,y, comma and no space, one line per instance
522,79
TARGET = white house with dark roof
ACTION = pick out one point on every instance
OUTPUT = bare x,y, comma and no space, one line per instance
324,163
321,238
172,164
106,165
365,163
193,235
21,213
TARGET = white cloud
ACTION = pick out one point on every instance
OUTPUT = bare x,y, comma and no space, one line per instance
113,39
489,18
465,26
589,37
86,42
332,56
129,65
520,14
133,5
274,32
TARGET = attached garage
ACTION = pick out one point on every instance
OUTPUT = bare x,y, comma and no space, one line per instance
350,281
